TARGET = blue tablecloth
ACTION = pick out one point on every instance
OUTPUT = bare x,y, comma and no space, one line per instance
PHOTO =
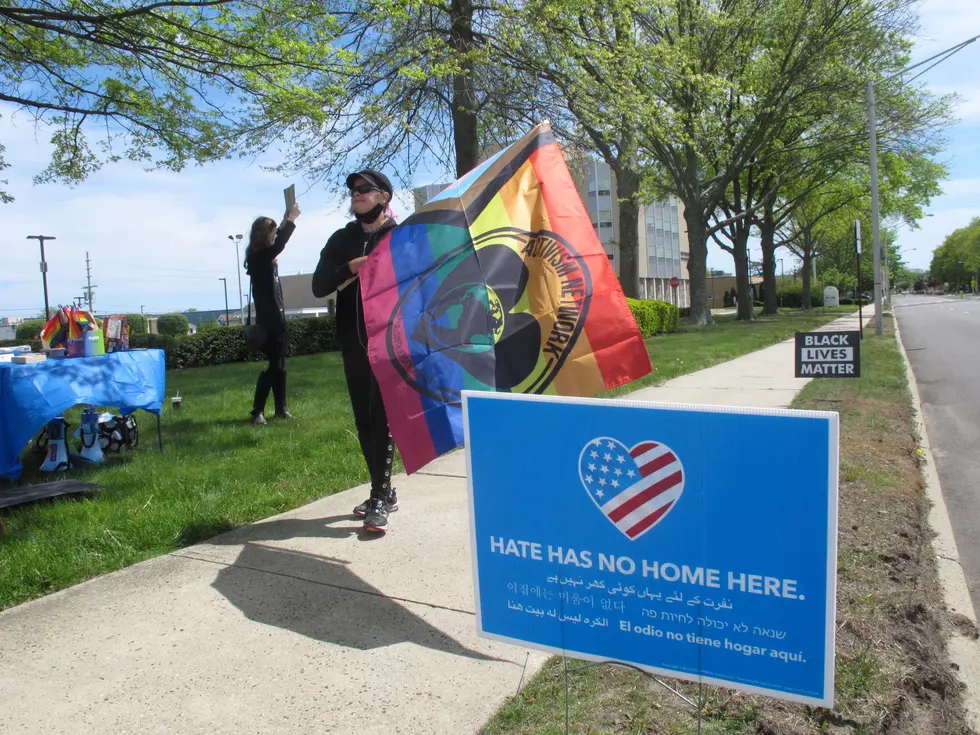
32,395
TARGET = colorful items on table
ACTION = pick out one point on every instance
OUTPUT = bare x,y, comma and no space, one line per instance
74,329
116,329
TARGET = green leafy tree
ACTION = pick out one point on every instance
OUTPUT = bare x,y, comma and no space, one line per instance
957,261
163,83
30,328
581,60
421,80
723,79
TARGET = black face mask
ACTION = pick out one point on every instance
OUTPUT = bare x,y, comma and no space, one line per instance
371,215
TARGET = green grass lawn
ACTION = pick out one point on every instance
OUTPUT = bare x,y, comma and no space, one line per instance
219,472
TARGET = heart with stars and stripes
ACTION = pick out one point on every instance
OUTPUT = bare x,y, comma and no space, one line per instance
634,488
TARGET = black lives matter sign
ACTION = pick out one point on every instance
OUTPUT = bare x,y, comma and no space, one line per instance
828,355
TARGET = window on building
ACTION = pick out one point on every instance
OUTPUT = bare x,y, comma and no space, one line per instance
603,178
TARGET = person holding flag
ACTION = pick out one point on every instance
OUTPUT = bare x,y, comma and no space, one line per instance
338,270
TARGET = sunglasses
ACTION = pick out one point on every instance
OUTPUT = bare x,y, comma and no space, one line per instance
363,188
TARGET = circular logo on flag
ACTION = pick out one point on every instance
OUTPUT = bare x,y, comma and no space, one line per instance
502,311
634,488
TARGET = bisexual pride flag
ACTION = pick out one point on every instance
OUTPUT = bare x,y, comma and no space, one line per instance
499,283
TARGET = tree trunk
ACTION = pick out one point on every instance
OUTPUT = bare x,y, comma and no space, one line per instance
628,194
697,239
807,260
767,232
465,131
746,307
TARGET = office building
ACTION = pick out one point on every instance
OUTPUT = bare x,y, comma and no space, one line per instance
663,245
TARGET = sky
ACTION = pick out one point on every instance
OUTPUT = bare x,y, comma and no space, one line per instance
158,240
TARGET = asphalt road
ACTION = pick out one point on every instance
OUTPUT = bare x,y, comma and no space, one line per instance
942,337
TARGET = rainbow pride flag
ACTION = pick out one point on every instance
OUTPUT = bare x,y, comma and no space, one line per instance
499,283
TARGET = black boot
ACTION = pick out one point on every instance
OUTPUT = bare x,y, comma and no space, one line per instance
279,395
262,388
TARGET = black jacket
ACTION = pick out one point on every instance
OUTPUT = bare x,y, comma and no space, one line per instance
333,271
266,290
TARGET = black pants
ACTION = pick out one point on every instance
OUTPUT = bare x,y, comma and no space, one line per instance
370,419
272,378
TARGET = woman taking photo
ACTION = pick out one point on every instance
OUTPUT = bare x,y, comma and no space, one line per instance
265,242
340,261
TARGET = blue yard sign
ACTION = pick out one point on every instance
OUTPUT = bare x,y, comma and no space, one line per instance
692,541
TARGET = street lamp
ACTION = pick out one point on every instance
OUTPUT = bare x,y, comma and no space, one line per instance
141,308
782,280
237,239
227,317
44,269
881,279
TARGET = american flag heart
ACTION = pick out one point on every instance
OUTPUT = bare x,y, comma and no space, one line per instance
634,488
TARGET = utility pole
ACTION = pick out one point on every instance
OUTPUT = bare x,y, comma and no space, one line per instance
857,250
89,296
44,270
881,278
227,317
875,210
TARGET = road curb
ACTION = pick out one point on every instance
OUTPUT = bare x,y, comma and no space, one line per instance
963,651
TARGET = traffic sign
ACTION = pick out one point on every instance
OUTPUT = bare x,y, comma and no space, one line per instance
675,282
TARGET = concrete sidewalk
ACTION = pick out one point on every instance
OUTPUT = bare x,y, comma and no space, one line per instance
298,624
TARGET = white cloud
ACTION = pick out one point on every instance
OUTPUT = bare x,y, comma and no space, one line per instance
956,188
945,23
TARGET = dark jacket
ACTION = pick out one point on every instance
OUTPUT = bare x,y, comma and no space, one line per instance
266,291
333,271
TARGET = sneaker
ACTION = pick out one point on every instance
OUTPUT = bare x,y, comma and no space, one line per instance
284,415
392,503
258,419
376,519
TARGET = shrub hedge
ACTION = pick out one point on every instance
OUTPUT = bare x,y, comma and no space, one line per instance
137,324
29,329
654,317
227,344
315,335
172,324
34,343
792,295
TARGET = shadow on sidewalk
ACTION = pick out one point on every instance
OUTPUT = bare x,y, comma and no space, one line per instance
320,598
284,529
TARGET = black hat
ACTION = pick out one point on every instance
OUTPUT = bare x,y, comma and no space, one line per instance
375,178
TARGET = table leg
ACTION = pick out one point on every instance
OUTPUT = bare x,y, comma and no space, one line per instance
159,433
